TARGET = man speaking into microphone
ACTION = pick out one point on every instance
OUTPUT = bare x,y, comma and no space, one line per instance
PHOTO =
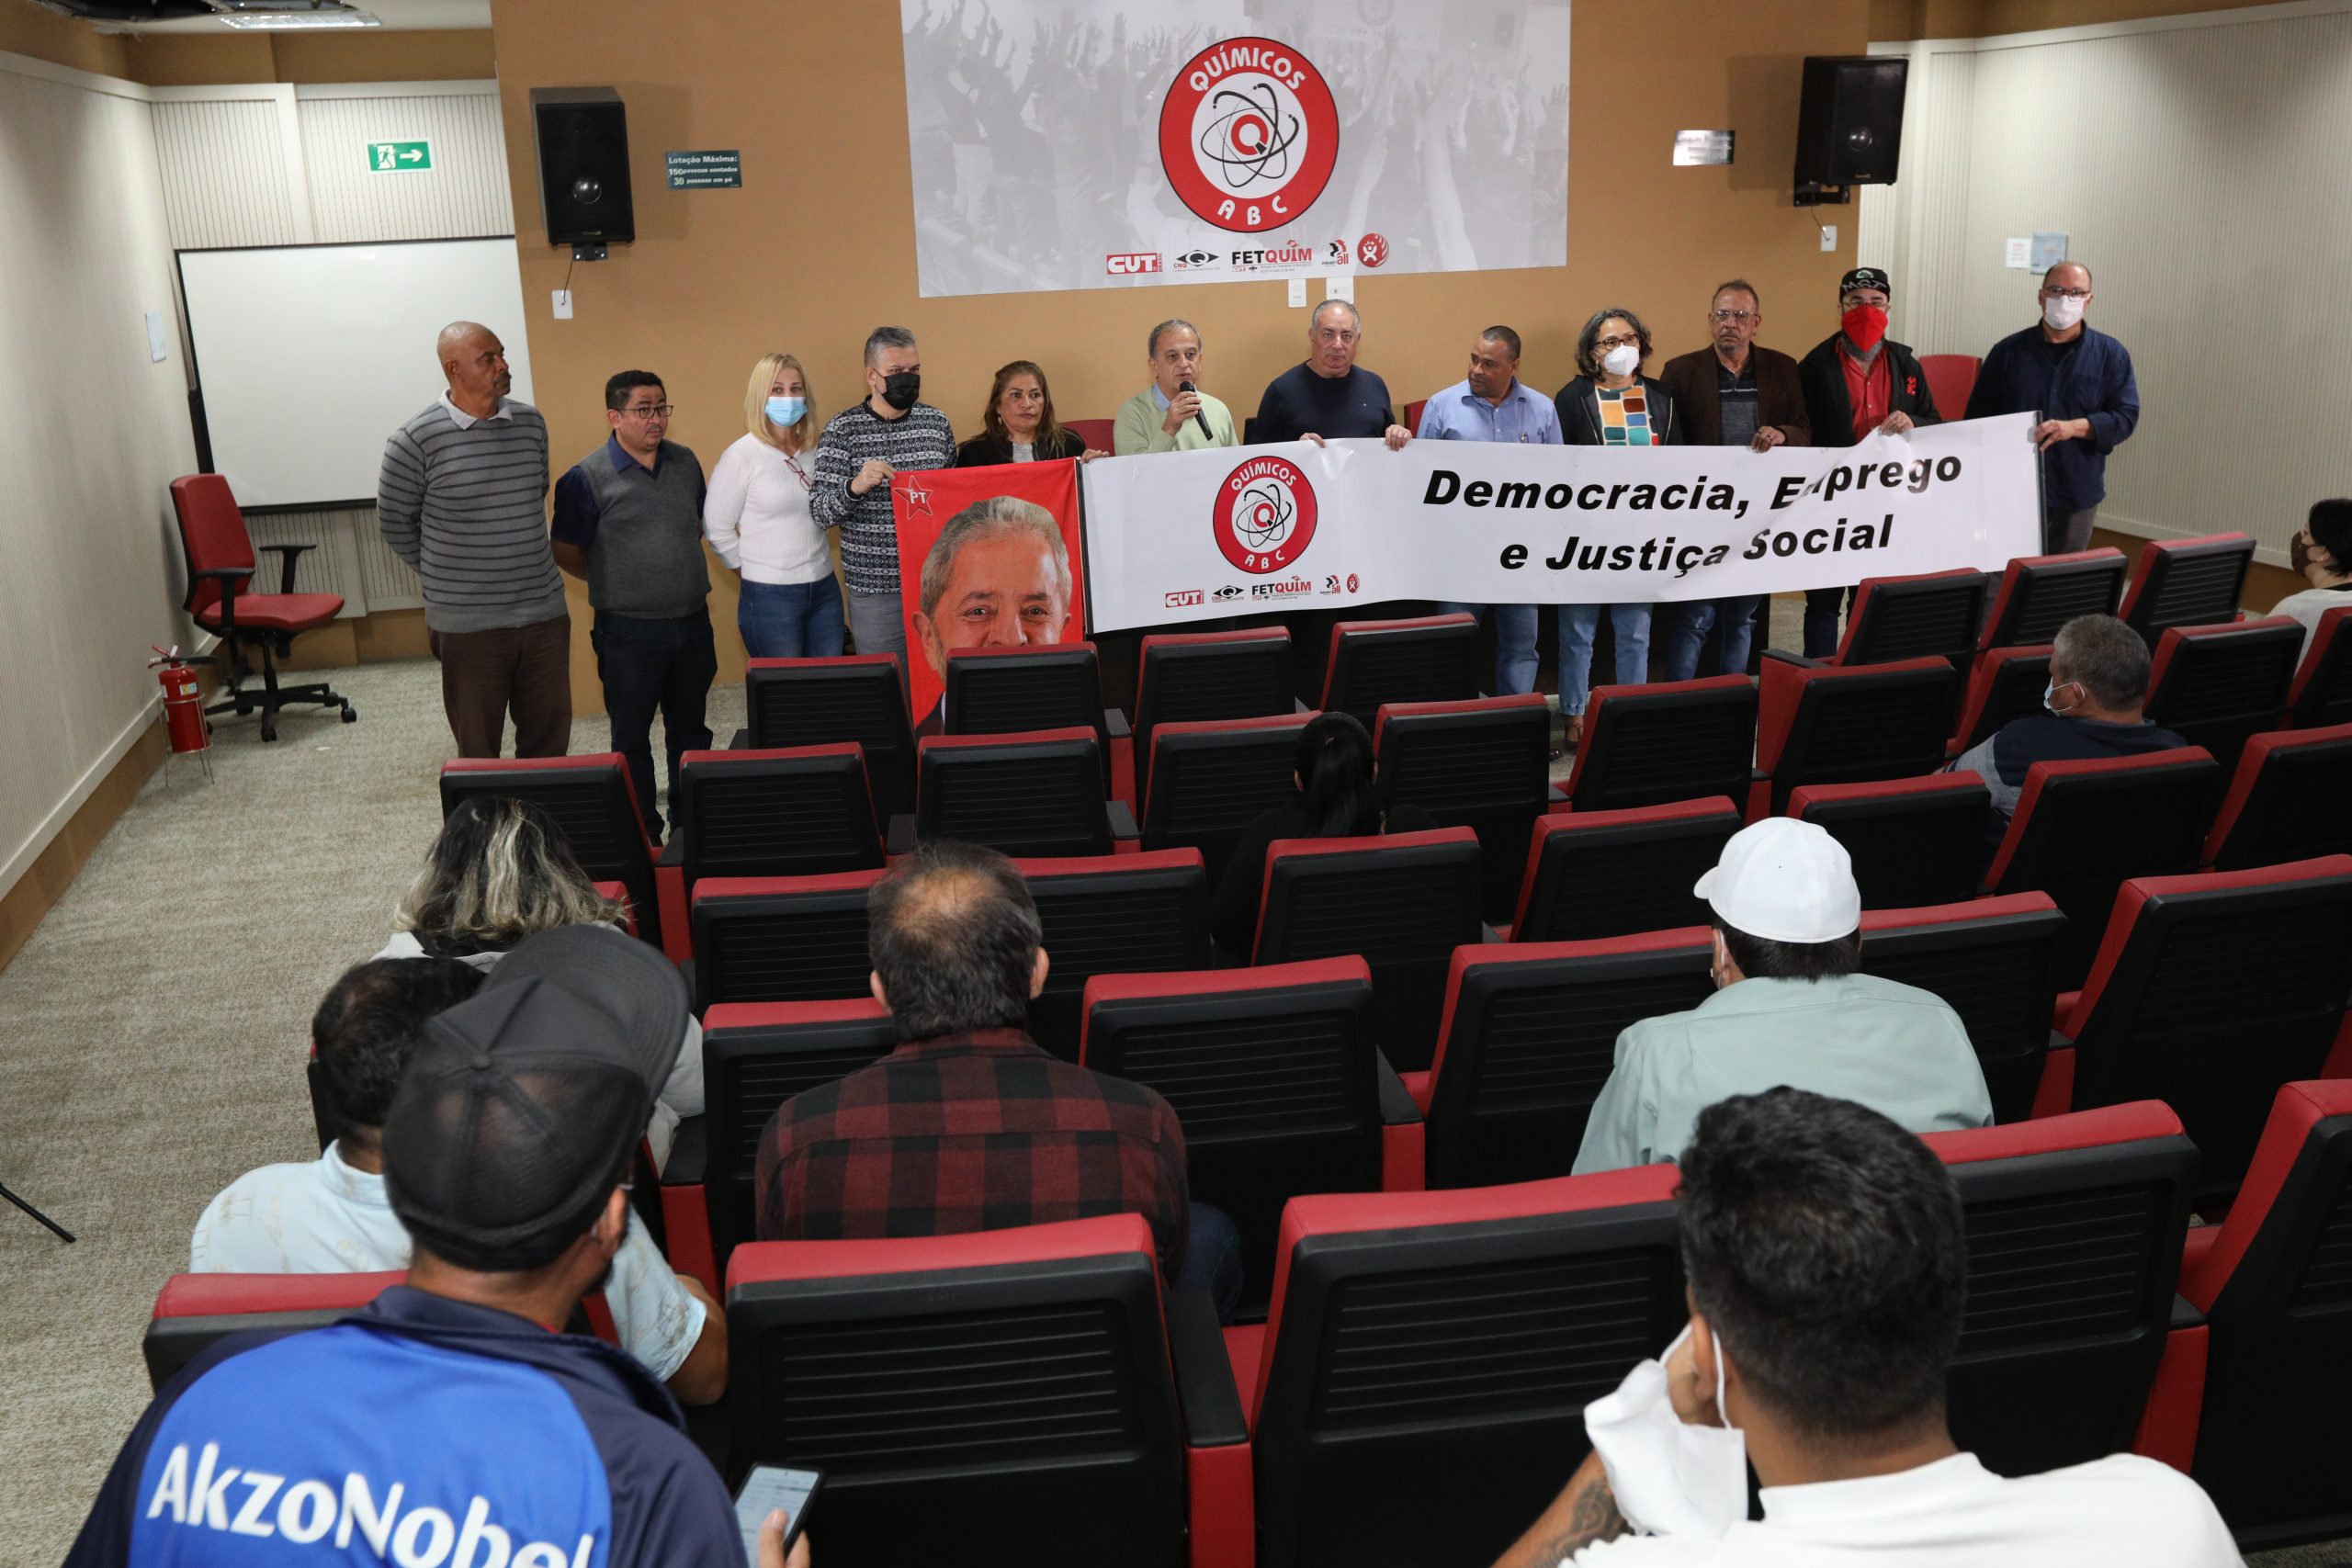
1172,414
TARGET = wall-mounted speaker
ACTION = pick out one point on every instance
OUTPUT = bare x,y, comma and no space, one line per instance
583,139
1849,122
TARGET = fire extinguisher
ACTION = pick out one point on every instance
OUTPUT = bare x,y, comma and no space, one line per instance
183,699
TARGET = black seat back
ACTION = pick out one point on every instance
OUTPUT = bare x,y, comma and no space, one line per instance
2286,800
1650,745
1854,725
1934,614
2008,682
1484,764
1191,678
1113,915
1994,962
801,812
1014,691
1207,781
1433,659
812,702
2218,686
2322,694
1912,842
781,938
2187,583
2041,593
1042,793
1603,873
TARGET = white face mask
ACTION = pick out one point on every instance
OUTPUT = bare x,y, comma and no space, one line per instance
1669,1476
1621,360
2061,312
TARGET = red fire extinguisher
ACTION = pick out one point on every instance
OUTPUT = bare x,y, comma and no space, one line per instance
183,700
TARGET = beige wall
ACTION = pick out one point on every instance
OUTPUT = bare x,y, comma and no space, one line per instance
819,246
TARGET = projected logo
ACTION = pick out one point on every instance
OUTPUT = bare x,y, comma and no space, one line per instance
1265,515
1248,134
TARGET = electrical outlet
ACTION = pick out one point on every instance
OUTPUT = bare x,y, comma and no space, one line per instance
1829,236
563,304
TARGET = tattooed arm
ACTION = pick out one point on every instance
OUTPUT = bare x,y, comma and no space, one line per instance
1584,1513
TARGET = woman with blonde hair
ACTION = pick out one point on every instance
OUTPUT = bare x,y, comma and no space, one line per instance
756,516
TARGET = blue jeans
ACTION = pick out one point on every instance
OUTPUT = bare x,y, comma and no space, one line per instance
1687,631
1515,658
791,620
1578,624
649,664
1212,1259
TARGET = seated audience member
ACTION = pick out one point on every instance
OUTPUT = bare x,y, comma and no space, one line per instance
498,871
1828,1273
2322,553
452,1420
1332,773
1788,1008
330,1216
2099,678
756,517
1172,414
1018,425
970,1125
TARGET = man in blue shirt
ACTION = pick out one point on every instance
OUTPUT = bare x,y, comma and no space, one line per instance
452,1421
1492,404
2080,381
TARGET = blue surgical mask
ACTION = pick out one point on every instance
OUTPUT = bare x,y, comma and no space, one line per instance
2049,692
786,410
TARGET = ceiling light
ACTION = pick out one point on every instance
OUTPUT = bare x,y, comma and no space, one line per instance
306,21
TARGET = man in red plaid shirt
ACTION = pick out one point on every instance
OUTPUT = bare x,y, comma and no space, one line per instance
970,1125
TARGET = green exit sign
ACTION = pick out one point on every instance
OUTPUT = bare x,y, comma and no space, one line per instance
399,157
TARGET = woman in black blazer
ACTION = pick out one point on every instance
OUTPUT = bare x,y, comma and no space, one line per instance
1018,425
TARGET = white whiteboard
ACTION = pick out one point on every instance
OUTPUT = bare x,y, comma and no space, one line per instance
310,355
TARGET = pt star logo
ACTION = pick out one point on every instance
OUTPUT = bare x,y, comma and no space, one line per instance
918,498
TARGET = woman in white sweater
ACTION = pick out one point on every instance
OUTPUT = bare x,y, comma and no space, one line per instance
756,516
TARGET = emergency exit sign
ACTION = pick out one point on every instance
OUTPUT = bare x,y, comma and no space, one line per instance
399,157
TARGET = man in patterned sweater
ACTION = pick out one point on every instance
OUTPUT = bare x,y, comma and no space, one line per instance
861,446
463,500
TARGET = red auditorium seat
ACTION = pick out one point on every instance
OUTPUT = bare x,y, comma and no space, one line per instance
1413,414
1203,782
2211,990
1417,1394
2187,583
1484,764
1275,1076
2286,801
1096,433
219,555
1912,842
1933,615
2038,594
1113,915
195,1312
1527,1039
2322,694
2081,829
781,938
800,811
1602,873
1431,658
818,702
1676,740
1003,1397
1040,792
1951,377
2215,686
1193,677
1837,724
2007,683
1404,902
1994,962
1019,690
2075,1225
2271,1283
592,799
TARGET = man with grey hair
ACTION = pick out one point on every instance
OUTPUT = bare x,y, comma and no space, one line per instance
1172,414
1329,396
2099,678
998,576
462,499
892,432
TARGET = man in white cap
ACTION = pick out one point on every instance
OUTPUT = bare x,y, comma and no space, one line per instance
1789,1009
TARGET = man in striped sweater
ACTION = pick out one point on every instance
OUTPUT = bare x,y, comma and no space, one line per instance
891,432
463,500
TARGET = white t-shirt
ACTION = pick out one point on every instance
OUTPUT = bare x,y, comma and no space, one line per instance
2308,605
326,1218
755,514
2123,1510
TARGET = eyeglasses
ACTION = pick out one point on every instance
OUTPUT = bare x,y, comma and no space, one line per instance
2066,293
1635,342
651,410
1728,316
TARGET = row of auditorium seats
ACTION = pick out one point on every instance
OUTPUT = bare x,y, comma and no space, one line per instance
1032,1394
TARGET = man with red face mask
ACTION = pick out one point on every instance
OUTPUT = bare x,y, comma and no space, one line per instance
1857,381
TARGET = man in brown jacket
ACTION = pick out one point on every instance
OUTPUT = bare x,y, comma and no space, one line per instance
1734,394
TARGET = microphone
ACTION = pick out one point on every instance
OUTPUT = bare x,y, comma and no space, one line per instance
1198,417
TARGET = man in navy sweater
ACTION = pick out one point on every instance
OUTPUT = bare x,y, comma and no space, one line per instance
2080,381
1328,396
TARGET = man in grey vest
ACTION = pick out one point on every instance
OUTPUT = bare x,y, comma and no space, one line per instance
629,522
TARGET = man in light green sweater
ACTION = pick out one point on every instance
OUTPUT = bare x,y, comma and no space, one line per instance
1172,414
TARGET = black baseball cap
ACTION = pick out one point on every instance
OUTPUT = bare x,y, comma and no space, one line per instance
521,1108
1866,278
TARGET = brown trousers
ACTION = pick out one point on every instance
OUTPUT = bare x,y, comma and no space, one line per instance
527,668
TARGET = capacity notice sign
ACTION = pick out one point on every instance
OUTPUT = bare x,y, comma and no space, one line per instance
1190,536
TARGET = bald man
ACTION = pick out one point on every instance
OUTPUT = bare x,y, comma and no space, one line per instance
463,500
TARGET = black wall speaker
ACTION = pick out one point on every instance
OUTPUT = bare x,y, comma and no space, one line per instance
582,137
1849,122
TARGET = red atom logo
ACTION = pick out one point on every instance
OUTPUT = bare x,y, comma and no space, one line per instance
1265,515
1249,133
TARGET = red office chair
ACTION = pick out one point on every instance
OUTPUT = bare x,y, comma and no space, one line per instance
1951,377
219,556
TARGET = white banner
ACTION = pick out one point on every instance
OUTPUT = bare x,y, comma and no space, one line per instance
1096,144
1191,535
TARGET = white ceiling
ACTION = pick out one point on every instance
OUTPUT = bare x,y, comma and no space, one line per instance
399,15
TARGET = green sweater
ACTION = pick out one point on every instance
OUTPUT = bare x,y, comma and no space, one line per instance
1137,428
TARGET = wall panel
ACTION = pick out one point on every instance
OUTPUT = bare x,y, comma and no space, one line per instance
463,195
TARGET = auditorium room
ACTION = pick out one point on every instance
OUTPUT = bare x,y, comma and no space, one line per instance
1633,858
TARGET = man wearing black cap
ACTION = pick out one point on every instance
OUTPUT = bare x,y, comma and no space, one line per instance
1856,381
451,1421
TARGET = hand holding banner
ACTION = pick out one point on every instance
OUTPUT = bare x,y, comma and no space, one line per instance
1186,536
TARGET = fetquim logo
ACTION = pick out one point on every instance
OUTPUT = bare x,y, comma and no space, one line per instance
1264,517
1248,134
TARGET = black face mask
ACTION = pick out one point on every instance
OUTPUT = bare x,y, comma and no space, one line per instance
901,390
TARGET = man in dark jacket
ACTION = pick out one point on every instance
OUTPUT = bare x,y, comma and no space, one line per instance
1856,381
452,1420
1734,394
2081,383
